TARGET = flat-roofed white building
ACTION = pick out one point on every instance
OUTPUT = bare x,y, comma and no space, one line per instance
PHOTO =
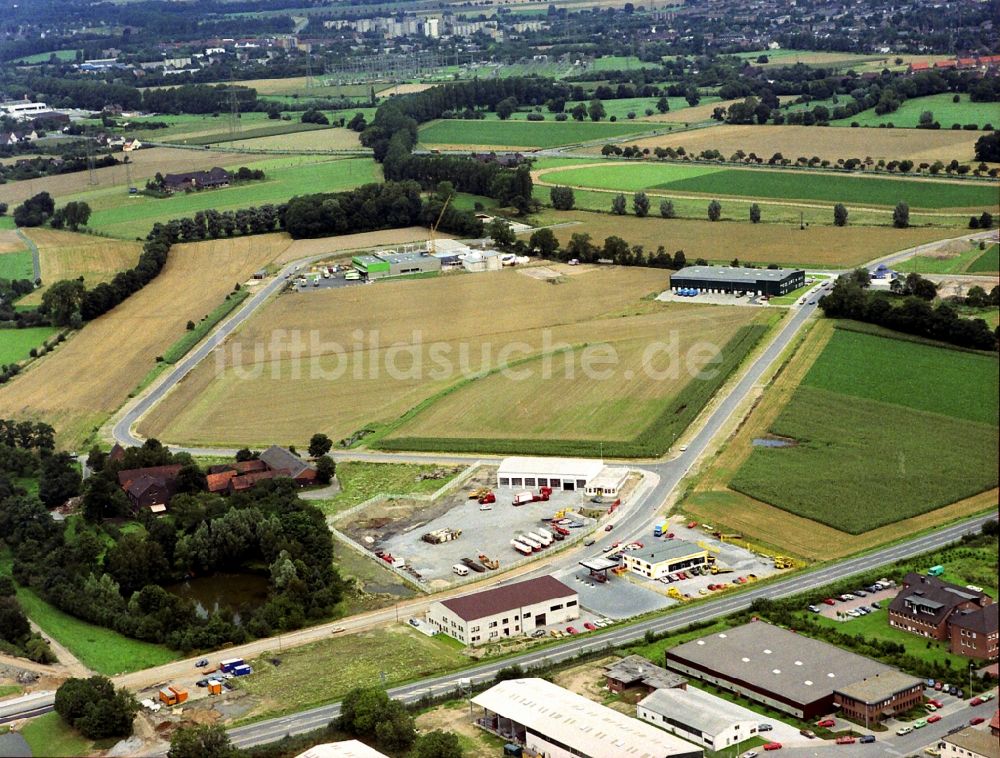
667,558
557,723
22,109
584,474
509,611
697,716
345,749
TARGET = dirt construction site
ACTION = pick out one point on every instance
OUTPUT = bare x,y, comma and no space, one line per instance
396,528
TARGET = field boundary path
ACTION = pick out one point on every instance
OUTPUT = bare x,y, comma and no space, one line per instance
221,148
36,261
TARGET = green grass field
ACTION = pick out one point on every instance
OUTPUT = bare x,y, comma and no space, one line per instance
780,185
951,264
6,222
62,55
16,344
883,430
397,653
50,736
897,372
16,265
945,113
623,106
989,261
525,134
119,215
360,481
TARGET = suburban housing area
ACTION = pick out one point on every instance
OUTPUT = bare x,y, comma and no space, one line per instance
502,379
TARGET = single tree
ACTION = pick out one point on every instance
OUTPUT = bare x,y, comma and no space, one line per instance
501,233
319,444
754,213
840,215
95,708
714,210
326,468
640,202
901,215
986,220
201,741
506,108
662,105
667,209
618,205
596,110
562,198
544,243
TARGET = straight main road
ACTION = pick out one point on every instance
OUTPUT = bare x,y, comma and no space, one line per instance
274,729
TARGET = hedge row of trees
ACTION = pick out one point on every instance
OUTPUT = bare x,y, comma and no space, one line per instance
907,310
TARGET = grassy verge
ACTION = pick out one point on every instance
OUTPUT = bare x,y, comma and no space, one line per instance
50,736
181,347
678,412
9,689
360,481
391,656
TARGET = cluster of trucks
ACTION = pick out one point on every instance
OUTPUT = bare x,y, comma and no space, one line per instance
485,496
539,539
439,536
480,566
523,498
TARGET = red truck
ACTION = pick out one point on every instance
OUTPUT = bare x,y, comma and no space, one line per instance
523,498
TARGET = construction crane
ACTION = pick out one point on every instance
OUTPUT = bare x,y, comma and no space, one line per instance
432,244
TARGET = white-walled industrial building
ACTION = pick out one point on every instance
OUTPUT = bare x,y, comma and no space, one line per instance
589,475
557,723
509,611
697,716
345,749
667,558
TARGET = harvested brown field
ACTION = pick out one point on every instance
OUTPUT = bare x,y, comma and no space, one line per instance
920,145
10,242
560,401
145,164
838,247
349,242
463,314
76,387
318,139
688,115
406,89
67,255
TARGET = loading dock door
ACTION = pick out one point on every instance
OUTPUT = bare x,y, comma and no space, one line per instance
569,485
540,619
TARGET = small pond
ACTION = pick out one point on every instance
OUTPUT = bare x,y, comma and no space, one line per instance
233,591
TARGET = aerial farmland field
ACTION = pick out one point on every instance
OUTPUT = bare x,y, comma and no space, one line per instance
819,246
793,141
964,259
67,255
16,265
448,313
121,216
65,389
945,112
864,443
748,182
16,344
524,134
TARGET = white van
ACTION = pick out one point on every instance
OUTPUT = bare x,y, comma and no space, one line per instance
352,276
461,570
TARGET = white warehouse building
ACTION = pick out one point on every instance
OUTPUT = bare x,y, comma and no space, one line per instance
554,722
697,716
509,611
587,474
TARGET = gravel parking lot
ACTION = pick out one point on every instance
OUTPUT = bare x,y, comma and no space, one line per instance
483,531
833,611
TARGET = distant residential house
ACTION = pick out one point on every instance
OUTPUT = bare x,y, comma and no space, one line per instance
150,487
283,459
192,180
131,144
16,137
507,160
943,611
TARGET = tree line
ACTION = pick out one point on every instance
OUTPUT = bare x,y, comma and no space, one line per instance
907,308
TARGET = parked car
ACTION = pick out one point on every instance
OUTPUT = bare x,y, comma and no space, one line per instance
976,720
867,739
202,682
825,723
860,593
933,718
845,740
202,663
920,723
936,703
987,696
609,527
953,690
877,605
750,754
589,626
931,750
772,746
931,707
976,701
939,686
588,543
809,733
960,694
904,730
764,727
571,630
814,608
538,633
829,601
